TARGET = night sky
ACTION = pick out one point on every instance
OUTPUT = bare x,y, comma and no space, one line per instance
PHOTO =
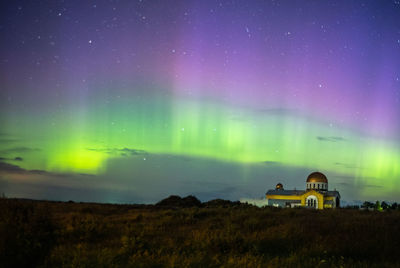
132,101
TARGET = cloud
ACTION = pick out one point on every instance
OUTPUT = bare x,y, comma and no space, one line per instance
124,151
21,149
18,158
347,165
330,139
10,168
133,151
270,162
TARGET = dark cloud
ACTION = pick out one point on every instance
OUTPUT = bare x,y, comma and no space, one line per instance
347,165
40,172
21,149
10,168
270,162
330,139
18,158
133,151
123,152
85,174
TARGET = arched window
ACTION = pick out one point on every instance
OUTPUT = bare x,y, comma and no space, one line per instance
312,201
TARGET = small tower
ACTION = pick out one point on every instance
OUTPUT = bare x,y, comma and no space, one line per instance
279,186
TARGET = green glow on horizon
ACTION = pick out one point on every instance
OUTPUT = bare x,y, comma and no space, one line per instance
79,140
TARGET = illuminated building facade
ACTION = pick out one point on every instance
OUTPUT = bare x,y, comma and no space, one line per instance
315,196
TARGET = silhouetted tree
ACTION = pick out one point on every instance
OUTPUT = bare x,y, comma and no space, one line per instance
367,204
384,205
378,205
177,201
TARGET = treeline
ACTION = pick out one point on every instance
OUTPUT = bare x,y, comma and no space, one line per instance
378,205
184,232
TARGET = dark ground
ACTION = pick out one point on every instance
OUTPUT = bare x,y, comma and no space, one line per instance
186,233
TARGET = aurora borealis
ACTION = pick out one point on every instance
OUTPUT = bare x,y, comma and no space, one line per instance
131,101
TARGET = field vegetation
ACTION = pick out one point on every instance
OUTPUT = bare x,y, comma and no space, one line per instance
180,232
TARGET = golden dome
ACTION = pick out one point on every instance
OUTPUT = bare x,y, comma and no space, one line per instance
317,177
279,186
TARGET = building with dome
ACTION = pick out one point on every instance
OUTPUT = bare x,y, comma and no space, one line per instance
315,196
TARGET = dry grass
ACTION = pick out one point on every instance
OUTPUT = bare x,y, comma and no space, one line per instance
51,234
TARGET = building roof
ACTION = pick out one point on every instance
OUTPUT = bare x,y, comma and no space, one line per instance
317,177
332,193
285,192
300,192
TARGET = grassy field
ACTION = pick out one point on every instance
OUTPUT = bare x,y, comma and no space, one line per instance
216,234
